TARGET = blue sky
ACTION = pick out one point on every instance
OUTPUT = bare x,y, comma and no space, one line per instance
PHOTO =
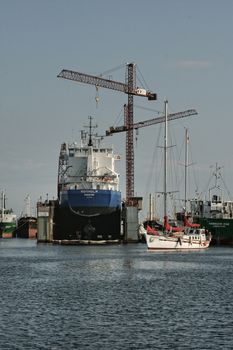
183,49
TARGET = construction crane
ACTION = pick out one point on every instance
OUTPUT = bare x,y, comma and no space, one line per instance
129,87
173,116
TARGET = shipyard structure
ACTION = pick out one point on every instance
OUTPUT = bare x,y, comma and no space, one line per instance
89,207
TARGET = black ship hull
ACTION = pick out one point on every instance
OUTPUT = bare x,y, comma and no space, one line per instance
69,225
26,228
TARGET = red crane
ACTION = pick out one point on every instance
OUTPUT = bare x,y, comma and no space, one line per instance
129,87
126,127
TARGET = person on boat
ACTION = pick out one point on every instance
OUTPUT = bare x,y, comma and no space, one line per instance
208,234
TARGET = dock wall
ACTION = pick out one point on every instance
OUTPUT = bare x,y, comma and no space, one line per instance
45,221
131,225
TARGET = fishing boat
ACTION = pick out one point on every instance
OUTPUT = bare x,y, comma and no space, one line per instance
89,207
215,212
7,219
189,236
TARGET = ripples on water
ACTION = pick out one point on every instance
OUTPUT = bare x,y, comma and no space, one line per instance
116,297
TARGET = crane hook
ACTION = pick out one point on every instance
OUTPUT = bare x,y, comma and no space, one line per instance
136,138
97,96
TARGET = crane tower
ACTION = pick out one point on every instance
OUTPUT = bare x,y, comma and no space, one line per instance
129,87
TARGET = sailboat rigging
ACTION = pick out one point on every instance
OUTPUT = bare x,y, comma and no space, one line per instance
187,237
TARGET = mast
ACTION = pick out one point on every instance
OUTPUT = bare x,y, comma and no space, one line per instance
3,205
186,170
28,206
217,176
150,207
90,131
165,159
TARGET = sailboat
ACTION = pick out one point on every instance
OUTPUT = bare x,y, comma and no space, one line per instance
191,236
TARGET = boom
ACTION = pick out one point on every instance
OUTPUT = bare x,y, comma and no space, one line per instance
173,116
105,83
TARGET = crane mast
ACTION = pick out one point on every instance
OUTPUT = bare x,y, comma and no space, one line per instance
129,135
129,87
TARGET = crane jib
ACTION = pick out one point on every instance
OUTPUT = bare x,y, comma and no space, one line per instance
105,83
149,122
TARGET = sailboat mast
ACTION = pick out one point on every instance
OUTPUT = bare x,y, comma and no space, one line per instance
165,159
186,169
150,206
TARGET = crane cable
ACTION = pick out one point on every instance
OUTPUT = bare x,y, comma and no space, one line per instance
97,98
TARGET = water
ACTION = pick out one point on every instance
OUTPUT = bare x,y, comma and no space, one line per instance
116,297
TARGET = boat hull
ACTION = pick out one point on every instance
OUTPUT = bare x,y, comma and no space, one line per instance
26,228
88,215
160,242
95,225
90,202
7,229
221,229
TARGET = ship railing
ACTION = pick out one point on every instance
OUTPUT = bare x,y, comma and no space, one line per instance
101,178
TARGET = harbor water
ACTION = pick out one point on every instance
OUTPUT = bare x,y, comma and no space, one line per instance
114,297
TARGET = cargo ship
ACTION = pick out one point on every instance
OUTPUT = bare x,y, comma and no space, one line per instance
7,219
215,213
26,227
89,200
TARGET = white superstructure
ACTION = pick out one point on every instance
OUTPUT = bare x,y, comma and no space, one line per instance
91,167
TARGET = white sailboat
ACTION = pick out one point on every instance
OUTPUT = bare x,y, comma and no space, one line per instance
191,236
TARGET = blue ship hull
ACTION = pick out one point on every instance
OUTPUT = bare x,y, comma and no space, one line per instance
91,202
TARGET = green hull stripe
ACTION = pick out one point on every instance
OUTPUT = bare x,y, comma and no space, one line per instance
7,227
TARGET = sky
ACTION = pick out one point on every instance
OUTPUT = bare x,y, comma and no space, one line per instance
182,49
